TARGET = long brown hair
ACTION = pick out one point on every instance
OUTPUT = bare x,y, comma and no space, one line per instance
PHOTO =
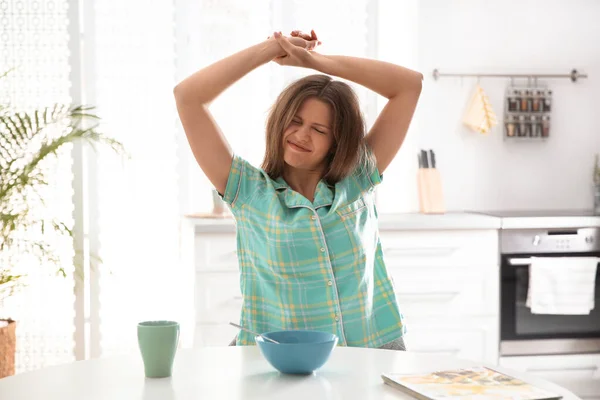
348,126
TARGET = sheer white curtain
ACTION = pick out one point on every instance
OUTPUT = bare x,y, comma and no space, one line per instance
128,65
33,41
138,213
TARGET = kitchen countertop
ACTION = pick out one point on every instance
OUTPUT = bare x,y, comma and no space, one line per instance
237,373
550,222
400,221
545,219
448,221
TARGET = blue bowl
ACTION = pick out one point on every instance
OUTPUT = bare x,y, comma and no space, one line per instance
298,351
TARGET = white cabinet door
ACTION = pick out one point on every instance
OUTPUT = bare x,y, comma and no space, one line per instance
214,335
474,339
466,344
446,291
218,297
440,248
216,252
580,373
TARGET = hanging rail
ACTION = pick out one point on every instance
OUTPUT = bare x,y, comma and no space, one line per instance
574,75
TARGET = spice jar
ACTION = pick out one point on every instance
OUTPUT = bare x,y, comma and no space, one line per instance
525,100
524,127
545,126
536,127
547,100
513,101
512,104
536,101
510,126
518,97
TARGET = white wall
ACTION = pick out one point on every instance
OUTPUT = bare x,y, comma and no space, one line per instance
485,172
398,43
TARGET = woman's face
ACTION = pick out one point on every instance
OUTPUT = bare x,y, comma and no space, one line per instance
307,141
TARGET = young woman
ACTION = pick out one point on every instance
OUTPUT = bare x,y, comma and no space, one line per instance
307,236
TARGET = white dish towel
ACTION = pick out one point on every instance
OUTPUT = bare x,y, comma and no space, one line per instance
562,285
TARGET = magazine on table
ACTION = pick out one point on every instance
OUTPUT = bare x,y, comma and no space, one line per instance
477,383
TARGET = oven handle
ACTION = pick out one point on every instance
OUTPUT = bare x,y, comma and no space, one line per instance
519,261
525,261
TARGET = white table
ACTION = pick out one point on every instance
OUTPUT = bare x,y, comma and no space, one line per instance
232,373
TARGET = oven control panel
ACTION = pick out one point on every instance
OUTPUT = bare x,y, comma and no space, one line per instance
569,240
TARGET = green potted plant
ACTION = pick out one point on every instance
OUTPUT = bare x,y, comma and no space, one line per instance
28,138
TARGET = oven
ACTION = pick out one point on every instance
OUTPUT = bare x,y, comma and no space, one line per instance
525,333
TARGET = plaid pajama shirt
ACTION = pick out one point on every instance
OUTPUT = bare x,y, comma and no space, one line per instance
312,265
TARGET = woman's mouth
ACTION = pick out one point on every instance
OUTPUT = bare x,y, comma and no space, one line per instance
298,147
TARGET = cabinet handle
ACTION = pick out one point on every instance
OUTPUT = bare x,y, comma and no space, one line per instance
420,251
594,369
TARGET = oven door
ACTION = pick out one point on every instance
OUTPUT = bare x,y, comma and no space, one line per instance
524,333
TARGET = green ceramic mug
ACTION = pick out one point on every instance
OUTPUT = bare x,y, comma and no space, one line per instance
158,342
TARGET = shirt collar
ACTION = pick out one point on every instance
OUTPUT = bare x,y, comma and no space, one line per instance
323,194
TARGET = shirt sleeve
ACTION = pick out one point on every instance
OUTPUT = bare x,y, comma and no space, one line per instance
366,176
243,181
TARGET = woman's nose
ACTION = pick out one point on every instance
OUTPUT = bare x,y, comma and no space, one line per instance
304,132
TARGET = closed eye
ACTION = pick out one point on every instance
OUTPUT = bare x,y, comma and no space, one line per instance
298,121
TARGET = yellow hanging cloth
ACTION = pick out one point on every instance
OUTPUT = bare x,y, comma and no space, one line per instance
479,115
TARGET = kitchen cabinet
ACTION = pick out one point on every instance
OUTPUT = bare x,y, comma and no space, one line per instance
217,295
446,282
580,373
444,273
473,338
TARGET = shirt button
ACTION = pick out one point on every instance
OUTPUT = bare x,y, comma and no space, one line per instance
337,318
313,217
329,283
322,249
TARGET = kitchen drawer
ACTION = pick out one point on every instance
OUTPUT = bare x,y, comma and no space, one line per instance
446,291
214,335
580,373
440,248
467,344
218,297
474,339
216,252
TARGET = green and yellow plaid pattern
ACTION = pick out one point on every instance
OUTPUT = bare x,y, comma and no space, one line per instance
312,265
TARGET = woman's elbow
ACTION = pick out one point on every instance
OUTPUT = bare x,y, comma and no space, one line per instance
409,85
178,91
417,82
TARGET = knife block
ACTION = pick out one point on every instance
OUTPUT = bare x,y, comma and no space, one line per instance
431,199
